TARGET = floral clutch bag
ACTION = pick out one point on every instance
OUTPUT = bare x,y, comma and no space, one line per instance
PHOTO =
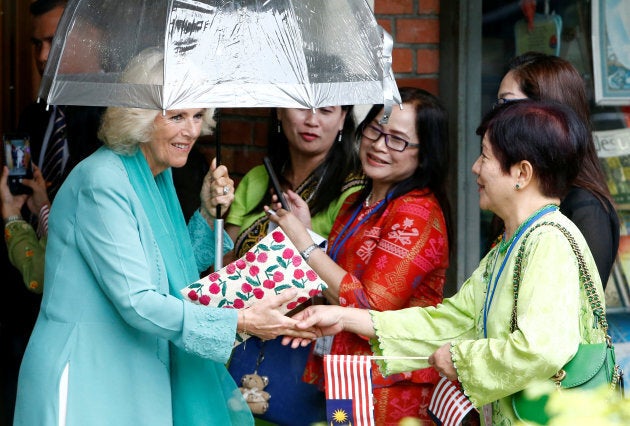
273,265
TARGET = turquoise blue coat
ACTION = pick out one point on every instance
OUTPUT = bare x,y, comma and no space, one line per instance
107,321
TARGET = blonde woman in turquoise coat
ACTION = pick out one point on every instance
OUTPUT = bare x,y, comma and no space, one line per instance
114,343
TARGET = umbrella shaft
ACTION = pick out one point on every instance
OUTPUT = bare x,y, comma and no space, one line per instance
218,244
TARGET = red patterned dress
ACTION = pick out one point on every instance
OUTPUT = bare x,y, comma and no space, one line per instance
396,258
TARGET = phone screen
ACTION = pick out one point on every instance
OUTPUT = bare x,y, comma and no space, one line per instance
17,157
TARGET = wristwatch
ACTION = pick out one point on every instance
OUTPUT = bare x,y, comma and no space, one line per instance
307,252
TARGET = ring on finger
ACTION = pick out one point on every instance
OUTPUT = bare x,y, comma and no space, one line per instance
226,190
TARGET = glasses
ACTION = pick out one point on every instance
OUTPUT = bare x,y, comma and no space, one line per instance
392,142
503,101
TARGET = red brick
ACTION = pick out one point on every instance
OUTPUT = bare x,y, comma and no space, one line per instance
428,61
261,132
393,7
386,24
431,85
417,30
235,131
428,7
402,60
243,161
247,112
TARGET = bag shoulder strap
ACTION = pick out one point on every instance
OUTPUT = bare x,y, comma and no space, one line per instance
585,277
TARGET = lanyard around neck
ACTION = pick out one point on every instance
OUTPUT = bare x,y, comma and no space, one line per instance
349,230
517,236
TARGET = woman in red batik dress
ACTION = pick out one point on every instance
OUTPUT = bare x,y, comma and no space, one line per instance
389,246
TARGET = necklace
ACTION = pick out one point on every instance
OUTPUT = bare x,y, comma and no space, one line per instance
368,199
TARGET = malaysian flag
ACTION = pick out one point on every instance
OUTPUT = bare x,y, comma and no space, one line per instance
348,390
449,405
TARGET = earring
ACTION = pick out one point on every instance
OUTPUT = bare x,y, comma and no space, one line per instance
517,186
339,137
279,126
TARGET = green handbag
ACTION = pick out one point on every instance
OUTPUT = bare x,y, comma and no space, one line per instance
593,365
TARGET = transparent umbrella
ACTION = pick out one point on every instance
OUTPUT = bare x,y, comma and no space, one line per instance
221,53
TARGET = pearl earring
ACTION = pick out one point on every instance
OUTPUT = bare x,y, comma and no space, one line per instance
339,137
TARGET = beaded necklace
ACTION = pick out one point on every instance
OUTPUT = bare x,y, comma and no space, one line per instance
508,245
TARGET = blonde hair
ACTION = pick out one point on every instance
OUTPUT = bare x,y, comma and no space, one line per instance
123,129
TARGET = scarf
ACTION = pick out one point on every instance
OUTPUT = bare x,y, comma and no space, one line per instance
200,388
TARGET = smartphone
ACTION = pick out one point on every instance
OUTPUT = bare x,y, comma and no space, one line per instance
17,157
276,183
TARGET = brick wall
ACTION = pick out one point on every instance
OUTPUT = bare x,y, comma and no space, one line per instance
414,26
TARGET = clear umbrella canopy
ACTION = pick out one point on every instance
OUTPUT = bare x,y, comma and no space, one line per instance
219,53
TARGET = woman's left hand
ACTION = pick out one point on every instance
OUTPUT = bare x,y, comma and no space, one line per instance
292,226
442,361
217,190
38,184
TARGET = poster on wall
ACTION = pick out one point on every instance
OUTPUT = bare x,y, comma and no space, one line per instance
611,51
613,150
542,34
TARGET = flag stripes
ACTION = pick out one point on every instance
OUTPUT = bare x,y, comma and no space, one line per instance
349,377
449,405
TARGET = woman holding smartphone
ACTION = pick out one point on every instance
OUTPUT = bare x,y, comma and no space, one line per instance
312,153
26,246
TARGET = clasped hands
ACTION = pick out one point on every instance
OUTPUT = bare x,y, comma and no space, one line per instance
328,320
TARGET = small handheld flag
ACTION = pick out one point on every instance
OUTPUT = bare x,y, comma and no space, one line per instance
348,390
448,405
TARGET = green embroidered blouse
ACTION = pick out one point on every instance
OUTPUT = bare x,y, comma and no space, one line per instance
553,317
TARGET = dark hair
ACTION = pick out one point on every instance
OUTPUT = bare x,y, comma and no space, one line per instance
543,77
341,161
549,135
431,124
40,7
